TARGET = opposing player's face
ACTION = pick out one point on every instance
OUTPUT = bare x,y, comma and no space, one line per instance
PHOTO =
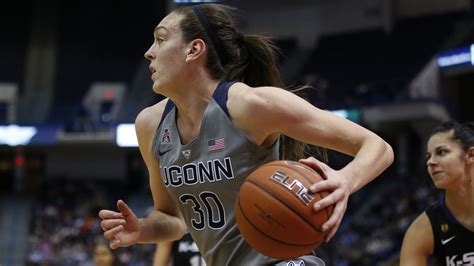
103,256
167,53
445,160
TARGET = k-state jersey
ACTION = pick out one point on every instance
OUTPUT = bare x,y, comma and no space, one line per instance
454,244
204,177
186,253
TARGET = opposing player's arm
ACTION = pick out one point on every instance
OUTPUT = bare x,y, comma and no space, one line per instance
265,112
165,223
418,243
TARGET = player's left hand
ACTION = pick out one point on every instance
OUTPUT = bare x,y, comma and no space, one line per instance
339,189
121,228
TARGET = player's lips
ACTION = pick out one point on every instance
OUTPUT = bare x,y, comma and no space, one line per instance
152,69
436,173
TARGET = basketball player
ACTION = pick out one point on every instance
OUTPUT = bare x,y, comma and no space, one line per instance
223,117
445,231
103,255
182,252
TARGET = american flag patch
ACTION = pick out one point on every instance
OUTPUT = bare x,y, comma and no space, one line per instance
216,144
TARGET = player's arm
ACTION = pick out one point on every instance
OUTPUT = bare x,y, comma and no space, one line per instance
122,228
163,254
165,223
418,243
266,112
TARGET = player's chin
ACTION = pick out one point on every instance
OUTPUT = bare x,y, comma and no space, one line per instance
439,183
156,87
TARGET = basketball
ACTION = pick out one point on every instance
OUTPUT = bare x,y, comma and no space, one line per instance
274,210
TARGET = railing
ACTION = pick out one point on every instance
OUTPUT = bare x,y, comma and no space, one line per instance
14,229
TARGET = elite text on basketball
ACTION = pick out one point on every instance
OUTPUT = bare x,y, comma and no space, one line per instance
301,191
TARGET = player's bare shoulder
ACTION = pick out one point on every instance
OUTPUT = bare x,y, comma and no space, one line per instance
243,100
419,238
252,110
148,119
244,103
421,227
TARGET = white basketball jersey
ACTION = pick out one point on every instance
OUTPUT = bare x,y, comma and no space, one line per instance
204,177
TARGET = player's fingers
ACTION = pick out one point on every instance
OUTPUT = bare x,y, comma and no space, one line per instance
325,185
316,164
115,244
111,223
331,199
107,214
110,234
332,232
124,209
336,216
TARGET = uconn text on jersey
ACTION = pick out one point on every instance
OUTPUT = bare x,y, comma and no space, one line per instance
197,172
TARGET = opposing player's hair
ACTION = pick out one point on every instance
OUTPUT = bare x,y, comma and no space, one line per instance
462,132
233,56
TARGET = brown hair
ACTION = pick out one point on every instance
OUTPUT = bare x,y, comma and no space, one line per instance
462,132
252,59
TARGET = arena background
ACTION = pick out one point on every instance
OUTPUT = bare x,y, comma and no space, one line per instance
73,78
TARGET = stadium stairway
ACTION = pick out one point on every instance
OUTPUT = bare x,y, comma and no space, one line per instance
15,215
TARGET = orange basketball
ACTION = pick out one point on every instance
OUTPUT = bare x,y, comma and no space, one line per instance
274,210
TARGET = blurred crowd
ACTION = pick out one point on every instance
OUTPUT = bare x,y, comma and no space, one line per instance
65,228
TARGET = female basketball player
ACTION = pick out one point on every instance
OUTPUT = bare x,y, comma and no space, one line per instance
103,255
224,116
446,230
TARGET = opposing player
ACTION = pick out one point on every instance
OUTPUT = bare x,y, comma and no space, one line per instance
445,231
103,256
224,116
182,252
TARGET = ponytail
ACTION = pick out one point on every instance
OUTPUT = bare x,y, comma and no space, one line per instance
251,59
258,64
259,67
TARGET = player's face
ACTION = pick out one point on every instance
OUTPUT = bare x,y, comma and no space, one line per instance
167,53
103,256
445,160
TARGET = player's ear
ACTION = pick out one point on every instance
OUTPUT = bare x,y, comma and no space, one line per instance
196,49
470,155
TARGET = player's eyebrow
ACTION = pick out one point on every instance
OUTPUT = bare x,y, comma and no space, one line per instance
440,147
437,148
160,28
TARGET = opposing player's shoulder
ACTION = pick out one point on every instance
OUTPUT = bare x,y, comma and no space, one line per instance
418,243
420,234
421,224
